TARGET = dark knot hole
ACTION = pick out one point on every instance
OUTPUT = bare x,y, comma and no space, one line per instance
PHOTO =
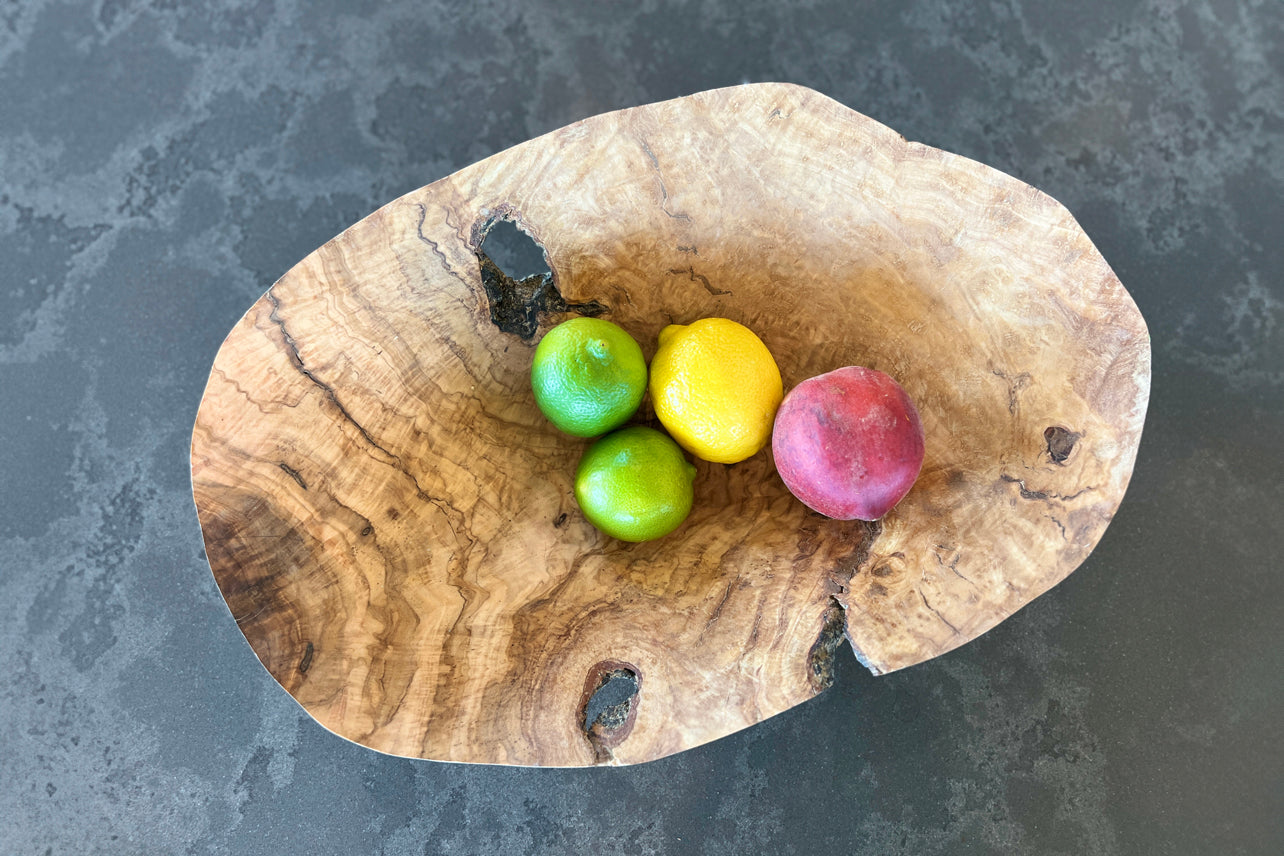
519,284
608,708
1061,443
515,253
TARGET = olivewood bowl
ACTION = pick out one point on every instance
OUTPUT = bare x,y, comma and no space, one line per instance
391,519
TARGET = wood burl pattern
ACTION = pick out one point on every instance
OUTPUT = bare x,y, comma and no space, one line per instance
391,520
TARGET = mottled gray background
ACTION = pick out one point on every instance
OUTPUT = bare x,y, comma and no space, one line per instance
162,163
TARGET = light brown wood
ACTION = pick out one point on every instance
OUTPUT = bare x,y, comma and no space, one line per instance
391,520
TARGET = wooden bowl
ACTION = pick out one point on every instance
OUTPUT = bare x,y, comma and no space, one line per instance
391,519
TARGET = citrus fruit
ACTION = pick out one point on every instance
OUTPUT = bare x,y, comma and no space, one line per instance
588,376
635,484
715,387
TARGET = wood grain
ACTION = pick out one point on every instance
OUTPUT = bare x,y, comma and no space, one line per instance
392,522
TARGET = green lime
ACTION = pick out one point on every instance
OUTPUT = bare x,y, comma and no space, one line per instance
635,484
588,375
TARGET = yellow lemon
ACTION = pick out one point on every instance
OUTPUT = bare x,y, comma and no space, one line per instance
715,388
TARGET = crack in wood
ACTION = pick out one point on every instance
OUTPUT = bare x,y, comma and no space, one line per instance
1040,495
297,359
306,662
700,278
436,249
932,610
393,460
820,659
293,473
1016,385
952,565
664,191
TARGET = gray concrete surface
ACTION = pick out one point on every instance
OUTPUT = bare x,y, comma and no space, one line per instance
161,163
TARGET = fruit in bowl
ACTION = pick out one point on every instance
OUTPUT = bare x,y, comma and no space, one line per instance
848,443
715,388
634,484
588,376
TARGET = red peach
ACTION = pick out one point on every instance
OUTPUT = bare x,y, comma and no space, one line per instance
848,443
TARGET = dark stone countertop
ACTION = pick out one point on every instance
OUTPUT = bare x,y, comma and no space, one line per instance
162,163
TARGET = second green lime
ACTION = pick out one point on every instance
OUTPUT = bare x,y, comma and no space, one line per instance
635,484
588,376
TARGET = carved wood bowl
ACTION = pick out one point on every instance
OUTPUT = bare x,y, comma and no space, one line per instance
392,522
